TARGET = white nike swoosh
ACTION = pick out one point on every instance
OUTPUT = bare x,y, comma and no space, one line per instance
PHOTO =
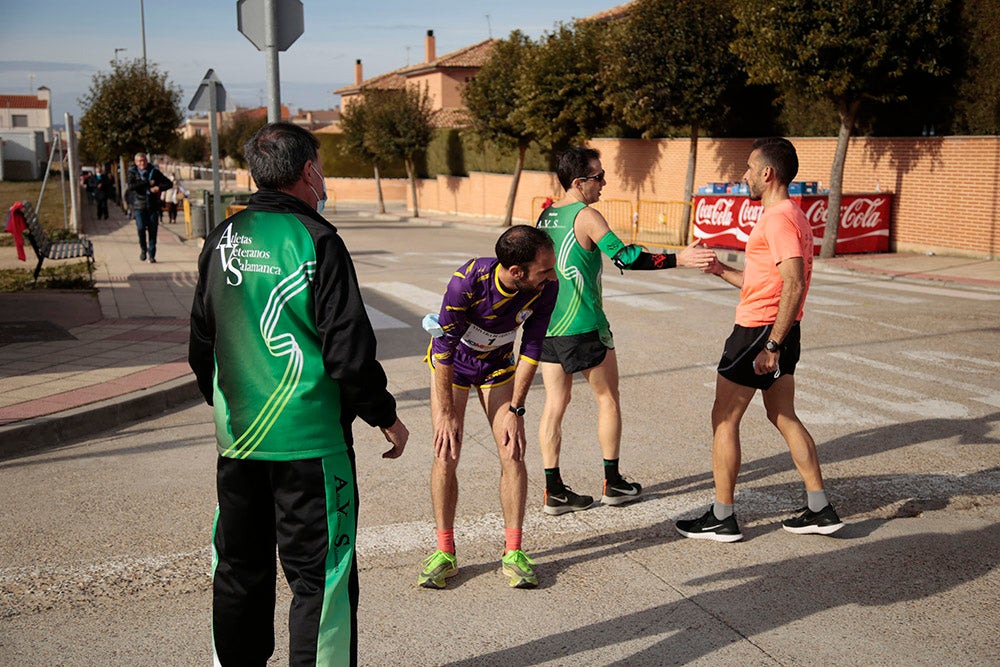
629,492
560,499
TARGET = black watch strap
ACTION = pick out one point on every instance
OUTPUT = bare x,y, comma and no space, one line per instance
519,411
772,346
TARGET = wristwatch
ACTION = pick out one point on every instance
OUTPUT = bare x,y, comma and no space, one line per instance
772,346
519,411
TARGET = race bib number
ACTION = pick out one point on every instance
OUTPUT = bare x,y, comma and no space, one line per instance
481,340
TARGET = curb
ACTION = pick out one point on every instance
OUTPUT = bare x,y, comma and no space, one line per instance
62,428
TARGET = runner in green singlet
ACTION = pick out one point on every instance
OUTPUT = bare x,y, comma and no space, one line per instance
579,337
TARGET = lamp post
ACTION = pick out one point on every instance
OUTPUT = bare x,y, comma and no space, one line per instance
116,53
142,20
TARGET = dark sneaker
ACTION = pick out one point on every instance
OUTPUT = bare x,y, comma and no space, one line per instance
142,256
707,527
152,260
807,522
565,501
620,492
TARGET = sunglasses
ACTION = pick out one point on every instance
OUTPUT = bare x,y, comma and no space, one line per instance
599,176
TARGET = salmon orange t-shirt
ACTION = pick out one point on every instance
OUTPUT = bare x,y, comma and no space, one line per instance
781,233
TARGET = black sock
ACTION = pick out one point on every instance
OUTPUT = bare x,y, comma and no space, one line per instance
611,473
553,481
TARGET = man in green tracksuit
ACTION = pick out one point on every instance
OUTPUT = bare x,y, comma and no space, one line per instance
284,352
579,338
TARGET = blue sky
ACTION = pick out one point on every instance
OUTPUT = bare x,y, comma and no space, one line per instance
62,44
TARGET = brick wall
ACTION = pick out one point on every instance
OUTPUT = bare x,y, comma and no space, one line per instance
947,189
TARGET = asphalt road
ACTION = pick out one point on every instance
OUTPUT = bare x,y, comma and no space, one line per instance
104,556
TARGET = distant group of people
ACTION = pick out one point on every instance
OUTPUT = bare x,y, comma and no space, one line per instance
147,190
284,351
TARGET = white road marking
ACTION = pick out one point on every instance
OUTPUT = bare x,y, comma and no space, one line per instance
989,396
915,403
635,301
867,320
382,320
860,293
423,299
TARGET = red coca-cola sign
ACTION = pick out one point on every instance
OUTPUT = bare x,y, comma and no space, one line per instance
725,221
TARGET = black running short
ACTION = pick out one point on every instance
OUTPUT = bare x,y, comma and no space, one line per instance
578,352
743,346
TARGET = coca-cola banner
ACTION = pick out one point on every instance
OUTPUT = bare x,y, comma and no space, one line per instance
725,221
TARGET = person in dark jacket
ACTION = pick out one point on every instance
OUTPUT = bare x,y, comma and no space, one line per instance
104,189
145,183
285,353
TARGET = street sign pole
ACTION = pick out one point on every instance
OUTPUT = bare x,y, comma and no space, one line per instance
211,97
271,58
213,104
271,26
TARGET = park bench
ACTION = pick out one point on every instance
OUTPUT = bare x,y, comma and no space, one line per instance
46,248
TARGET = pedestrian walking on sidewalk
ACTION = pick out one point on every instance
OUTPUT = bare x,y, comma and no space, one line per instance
104,189
763,349
145,183
284,352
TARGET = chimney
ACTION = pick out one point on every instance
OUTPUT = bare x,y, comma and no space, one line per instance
357,72
429,48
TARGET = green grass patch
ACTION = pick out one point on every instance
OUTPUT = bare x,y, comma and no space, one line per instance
50,213
64,275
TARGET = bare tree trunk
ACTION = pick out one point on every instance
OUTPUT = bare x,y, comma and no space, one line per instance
378,190
848,113
512,195
413,184
689,183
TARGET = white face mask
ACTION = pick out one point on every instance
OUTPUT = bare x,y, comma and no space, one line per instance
320,201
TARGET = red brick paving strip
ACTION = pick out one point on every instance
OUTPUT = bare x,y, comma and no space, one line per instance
141,380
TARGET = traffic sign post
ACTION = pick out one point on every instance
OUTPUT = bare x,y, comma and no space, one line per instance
211,97
271,26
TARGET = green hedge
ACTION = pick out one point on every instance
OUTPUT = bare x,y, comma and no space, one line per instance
452,152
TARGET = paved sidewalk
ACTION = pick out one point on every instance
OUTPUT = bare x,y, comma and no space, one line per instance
70,367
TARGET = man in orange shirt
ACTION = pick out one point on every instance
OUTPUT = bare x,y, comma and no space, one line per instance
764,348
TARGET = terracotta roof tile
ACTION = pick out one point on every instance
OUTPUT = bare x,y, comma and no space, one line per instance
22,102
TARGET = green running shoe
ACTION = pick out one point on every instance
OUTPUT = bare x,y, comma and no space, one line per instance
517,566
437,567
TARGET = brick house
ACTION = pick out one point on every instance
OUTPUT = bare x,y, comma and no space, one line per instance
443,78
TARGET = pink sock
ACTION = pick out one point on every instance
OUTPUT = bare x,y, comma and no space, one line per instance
512,537
446,540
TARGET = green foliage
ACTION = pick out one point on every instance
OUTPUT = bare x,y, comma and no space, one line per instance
54,275
341,163
668,65
237,132
494,95
977,108
131,109
560,95
397,123
193,150
841,50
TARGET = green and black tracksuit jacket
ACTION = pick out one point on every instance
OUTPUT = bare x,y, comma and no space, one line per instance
285,353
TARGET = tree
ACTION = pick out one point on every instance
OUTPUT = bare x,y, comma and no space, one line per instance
493,97
978,105
845,51
354,123
398,126
243,125
560,92
131,109
670,67
193,150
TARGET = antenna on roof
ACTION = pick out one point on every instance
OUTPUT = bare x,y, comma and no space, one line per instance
489,26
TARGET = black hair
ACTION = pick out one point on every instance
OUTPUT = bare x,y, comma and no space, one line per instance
575,163
519,246
277,152
780,155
